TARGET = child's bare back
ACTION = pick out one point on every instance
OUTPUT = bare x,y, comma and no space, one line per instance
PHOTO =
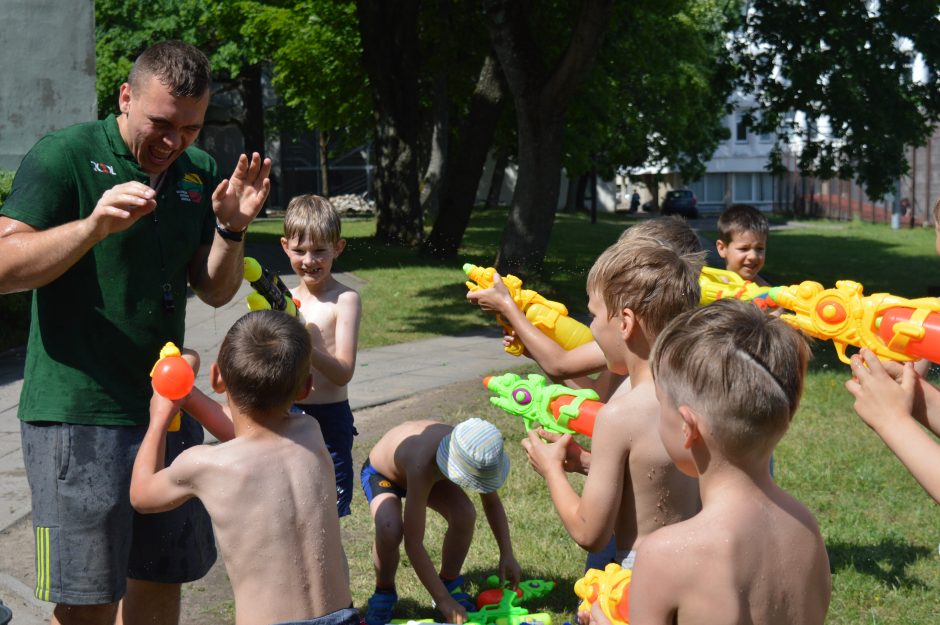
763,556
655,492
408,448
271,496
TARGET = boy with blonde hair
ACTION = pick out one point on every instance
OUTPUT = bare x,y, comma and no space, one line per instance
742,241
331,312
729,380
632,487
432,463
269,488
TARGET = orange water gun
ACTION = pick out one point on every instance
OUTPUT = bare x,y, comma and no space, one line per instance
173,378
716,284
548,316
552,407
894,328
610,588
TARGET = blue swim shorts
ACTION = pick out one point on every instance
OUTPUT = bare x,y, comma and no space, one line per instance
374,483
336,424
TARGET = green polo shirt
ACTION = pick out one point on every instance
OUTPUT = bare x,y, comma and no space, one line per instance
97,330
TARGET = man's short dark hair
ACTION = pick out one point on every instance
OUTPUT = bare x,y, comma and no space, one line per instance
183,68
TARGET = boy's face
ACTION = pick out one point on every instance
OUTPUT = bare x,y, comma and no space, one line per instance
312,260
744,254
607,333
672,434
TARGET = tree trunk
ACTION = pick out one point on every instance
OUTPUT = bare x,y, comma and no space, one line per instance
466,158
430,182
389,55
571,197
541,96
496,180
324,141
580,193
249,82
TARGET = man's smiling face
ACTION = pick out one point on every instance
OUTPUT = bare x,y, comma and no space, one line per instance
156,125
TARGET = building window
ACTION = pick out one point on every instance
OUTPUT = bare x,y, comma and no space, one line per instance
766,188
740,134
714,188
743,188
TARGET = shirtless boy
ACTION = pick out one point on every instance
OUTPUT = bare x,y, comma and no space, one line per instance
270,490
433,462
331,312
729,380
632,487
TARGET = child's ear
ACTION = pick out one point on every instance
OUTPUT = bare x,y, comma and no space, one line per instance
215,379
285,244
338,248
305,388
690,427
722,249
628,322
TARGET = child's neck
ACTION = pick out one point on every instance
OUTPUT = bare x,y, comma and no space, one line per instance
721,479
262,424
324,286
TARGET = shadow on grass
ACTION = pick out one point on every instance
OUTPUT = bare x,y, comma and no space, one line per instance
885,561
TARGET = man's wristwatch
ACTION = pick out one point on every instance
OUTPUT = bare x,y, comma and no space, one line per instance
230,235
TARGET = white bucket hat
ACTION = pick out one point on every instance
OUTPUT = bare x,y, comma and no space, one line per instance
472,456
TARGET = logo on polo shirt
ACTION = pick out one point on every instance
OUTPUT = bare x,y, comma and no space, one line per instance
102,168
189,188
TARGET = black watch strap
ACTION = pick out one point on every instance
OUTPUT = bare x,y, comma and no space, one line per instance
229,235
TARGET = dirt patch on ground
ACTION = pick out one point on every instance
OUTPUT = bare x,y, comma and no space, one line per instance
209,600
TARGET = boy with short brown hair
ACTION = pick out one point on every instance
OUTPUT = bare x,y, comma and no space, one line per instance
331,312
269,488
742,241
729,380
632,487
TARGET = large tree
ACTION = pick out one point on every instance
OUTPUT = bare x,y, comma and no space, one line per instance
836,79
542,89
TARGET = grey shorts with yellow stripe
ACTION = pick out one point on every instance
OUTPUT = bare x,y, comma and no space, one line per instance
88,538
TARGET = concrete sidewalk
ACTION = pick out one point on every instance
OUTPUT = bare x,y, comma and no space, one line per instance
383,374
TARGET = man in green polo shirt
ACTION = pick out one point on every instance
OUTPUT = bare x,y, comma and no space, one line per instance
107,222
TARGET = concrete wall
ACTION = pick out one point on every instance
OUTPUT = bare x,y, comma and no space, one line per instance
47,64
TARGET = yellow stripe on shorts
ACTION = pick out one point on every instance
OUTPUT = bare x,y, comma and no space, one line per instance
43,559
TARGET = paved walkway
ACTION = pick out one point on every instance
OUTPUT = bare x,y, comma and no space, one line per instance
379,379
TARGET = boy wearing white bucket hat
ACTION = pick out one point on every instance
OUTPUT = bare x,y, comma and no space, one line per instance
432,463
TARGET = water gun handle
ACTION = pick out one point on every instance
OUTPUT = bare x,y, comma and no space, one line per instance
567,332
173,378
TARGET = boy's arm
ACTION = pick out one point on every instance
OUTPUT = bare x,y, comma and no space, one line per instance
558,362
509,568
886,406
339,366
590,518
211,414
653,584
153,487
414,521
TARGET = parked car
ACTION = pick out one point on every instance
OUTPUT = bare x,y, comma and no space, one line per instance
680,202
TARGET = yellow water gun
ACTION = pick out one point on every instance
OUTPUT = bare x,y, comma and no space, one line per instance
894,328
548,316
717,284
270,292
610,587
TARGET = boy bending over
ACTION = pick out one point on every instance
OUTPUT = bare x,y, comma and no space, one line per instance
433,462
270,490
729,380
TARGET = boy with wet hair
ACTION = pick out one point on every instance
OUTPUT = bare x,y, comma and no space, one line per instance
269,488
742,241
632,488
729,380
331,312
432,463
